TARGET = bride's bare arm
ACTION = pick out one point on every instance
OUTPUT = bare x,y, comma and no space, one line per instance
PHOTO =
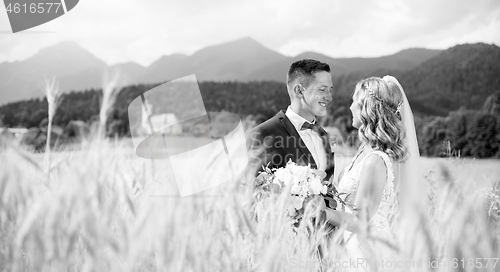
368,197
371,187
339,218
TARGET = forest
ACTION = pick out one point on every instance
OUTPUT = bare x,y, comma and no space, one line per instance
469,132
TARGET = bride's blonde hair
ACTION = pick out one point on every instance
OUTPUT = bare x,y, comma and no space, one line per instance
380,103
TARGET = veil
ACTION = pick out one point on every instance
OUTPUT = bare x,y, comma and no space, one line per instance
409,176
411,191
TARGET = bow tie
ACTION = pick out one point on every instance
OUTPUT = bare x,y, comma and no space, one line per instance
308,125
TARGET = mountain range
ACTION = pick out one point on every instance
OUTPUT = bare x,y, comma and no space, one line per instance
242,60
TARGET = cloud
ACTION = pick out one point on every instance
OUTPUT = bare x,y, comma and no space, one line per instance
385,27
142,31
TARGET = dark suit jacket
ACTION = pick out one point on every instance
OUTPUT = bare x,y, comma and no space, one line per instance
279,142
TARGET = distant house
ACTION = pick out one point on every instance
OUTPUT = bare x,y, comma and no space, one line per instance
165,122
15,132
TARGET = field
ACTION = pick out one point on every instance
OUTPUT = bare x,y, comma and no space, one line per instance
104,209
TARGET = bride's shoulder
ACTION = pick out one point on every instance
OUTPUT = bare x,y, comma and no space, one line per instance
384,163
374,164
383,156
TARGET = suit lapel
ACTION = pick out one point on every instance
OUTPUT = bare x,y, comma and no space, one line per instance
287,124
330,163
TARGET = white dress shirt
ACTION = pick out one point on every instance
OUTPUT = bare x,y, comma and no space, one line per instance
311,139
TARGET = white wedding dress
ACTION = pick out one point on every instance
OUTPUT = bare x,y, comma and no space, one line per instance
373,246
387,219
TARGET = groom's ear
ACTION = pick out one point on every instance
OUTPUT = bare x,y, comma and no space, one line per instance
297,89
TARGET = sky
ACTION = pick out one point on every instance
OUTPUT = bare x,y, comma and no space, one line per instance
141,31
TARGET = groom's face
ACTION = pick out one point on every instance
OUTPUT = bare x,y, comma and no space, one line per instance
318,94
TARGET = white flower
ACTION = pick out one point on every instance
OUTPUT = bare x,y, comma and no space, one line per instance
283,175
296,189
300,172
316,186
319,173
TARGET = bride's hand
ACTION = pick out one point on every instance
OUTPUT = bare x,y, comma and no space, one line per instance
317,203
339,218
333,217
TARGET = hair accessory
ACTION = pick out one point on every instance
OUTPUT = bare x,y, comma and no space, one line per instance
396,111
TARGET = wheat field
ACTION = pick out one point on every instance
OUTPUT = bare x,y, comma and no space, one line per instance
101,208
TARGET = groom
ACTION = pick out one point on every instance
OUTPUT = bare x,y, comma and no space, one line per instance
295,134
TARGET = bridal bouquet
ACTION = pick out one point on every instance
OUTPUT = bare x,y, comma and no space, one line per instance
302,182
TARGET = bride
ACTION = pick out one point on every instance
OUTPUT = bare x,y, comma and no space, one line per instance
377,182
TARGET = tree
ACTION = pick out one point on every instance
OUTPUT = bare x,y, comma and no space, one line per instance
492,105
435,133
482,135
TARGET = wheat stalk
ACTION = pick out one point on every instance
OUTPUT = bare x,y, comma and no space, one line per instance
110,90
53,95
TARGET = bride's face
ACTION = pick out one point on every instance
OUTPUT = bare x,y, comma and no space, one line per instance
355,110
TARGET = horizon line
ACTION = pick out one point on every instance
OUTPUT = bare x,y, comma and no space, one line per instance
220,44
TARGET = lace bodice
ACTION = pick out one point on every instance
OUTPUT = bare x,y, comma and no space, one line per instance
382,221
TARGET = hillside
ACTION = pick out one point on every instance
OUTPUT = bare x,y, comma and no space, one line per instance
463,75
74,67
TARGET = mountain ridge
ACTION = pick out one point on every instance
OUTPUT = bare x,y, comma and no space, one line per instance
241,60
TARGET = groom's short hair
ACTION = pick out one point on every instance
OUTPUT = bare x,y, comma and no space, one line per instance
303,70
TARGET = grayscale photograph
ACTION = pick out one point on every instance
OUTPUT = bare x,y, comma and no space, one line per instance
322,135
